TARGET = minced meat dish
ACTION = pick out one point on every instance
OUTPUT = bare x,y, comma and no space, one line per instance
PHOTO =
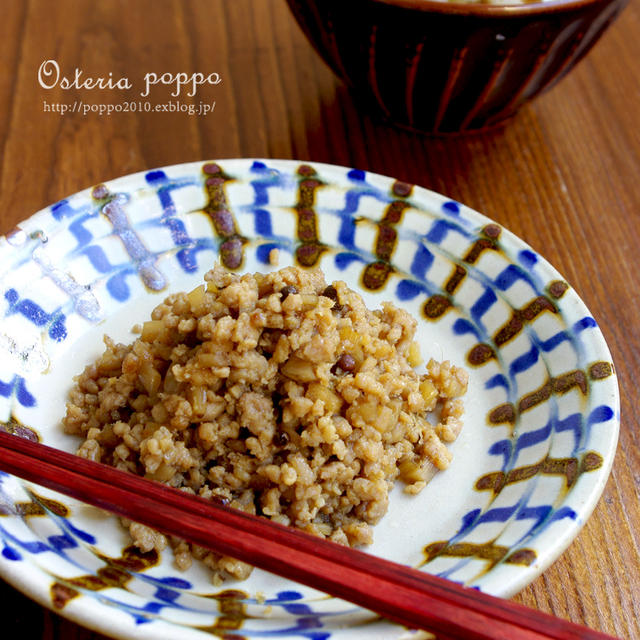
275,394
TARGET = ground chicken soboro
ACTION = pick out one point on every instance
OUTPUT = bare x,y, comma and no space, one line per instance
275,394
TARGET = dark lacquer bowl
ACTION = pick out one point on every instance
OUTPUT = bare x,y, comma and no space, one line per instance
442,67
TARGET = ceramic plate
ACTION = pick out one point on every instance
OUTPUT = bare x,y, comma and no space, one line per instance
542,411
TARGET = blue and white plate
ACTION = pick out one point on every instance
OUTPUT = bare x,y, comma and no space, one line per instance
542,411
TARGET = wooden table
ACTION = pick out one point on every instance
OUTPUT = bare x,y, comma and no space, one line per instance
564,176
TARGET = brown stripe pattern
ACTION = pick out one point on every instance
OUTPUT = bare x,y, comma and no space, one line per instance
438,304
116,574
488,551
233,613
224,224
37,506
377,273
570,468
310,249
507,413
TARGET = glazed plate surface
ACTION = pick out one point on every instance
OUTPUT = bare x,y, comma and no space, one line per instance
542,411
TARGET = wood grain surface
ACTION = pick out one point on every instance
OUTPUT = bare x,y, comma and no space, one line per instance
564,175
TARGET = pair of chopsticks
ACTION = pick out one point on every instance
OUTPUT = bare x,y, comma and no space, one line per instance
407,596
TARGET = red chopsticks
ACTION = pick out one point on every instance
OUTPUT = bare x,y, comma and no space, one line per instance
408,596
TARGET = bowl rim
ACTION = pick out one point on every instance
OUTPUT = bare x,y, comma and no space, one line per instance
531,7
